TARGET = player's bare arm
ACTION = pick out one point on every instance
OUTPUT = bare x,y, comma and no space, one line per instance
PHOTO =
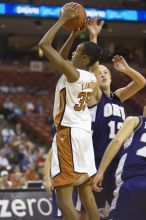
126,130
68,44
94,28
132,88
47,173
97,93
55,58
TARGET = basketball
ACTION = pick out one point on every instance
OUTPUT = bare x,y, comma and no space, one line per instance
78,22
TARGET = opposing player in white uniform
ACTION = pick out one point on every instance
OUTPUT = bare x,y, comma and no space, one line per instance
72,144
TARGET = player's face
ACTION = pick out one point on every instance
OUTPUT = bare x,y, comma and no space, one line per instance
104,77
78,58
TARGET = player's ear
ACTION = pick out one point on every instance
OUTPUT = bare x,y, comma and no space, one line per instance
86,59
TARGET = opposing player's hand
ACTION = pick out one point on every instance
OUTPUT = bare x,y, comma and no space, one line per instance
48,185
94,26
78,32
70,11
120,64
97,182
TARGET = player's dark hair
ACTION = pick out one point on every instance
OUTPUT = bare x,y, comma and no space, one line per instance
95,52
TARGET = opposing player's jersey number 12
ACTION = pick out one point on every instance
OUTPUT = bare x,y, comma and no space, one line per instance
84,97
114,126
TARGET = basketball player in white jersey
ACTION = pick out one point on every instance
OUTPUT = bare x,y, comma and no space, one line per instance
72,146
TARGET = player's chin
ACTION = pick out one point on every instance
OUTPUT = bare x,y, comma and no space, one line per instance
74,62
105,85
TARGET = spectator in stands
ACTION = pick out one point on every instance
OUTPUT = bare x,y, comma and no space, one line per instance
7,150
31,174
18,129
8,107
21,154
4,89
1,183
32,151
20,136
3,160
6,184
16,169
25,161
16,180
50,120
15,114
39,107
30,108
8,135
51,125
41,157
23,183
16,176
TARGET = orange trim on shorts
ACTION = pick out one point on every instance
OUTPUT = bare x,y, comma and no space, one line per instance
59,116
67,174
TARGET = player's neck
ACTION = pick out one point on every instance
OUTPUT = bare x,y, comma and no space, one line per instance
81,67
107,92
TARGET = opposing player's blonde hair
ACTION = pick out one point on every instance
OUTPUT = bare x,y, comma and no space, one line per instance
104,68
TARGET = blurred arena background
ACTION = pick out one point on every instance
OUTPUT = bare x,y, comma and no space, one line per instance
27,85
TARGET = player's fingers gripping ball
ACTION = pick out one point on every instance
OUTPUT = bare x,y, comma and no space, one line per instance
76,18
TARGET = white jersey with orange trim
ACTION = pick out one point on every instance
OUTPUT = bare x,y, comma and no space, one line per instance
70,105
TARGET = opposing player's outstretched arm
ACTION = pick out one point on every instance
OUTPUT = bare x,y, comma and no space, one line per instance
138,81
126,130
94,30
97,93
47,173
66,47
55,58
68,44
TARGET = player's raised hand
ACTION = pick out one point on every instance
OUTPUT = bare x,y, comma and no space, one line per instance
48,185
94,26
70,11
120,64
78,32
97,182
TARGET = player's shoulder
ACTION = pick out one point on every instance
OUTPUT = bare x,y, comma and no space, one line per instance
86,76
62,78
133,120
